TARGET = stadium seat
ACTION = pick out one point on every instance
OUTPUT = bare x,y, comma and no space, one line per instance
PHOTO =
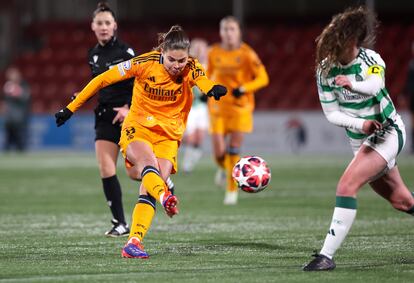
287,50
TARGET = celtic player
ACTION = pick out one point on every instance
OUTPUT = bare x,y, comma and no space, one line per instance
351,86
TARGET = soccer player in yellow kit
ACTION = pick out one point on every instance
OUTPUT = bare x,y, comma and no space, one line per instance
235,65
152,130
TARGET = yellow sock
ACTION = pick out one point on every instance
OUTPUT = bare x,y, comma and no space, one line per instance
153,183
142,216
229,162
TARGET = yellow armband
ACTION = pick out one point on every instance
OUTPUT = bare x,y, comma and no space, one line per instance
376,70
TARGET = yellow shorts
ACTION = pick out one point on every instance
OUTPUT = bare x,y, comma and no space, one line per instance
223,124
162,146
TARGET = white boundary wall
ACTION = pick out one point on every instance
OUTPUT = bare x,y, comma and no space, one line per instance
272,135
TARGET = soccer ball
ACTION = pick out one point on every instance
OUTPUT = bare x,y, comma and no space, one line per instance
251,174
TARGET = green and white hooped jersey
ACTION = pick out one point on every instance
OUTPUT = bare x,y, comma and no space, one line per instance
353,104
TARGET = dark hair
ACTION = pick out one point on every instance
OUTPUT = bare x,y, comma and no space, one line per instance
354,23
103,7
174,39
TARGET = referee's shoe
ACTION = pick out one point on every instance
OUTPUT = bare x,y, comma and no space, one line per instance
118,229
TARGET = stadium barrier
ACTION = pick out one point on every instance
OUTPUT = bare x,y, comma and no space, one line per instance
282,132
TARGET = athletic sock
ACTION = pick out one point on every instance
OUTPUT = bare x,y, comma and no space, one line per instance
153,183
142,216
342,219
230,160
113,194
170,185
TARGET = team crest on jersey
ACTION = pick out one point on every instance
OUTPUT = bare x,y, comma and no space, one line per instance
197,73
95,58
130,131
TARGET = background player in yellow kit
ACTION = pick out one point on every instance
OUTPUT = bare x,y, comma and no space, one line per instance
154,126
235,65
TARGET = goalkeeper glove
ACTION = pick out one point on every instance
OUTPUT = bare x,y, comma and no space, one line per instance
62,116
217,91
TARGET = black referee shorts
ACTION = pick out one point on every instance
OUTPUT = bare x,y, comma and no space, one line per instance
104,129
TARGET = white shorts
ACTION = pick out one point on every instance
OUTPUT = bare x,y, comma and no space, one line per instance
197,119
388,142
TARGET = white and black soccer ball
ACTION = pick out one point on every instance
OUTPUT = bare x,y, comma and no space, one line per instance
252,174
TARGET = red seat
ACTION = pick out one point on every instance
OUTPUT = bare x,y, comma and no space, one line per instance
287,50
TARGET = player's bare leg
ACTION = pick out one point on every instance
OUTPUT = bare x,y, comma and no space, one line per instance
366,165
392,188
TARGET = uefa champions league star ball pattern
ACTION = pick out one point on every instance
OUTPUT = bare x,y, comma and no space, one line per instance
252,174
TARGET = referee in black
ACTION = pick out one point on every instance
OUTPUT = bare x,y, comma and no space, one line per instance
113,105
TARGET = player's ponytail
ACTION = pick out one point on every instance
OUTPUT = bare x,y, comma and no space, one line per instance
103,7
174,39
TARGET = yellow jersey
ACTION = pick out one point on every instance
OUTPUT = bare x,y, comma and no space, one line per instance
159,101
236,68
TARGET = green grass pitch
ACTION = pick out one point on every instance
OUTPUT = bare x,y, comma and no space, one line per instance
53,216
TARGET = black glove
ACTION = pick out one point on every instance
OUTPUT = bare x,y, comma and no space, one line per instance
203,98
62,116
217,91
237,92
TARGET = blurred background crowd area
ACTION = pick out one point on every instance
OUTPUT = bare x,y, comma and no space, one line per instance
48,41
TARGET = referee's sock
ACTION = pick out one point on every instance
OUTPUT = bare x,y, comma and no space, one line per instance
113,194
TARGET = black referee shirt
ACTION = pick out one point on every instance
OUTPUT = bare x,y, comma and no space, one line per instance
101,58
